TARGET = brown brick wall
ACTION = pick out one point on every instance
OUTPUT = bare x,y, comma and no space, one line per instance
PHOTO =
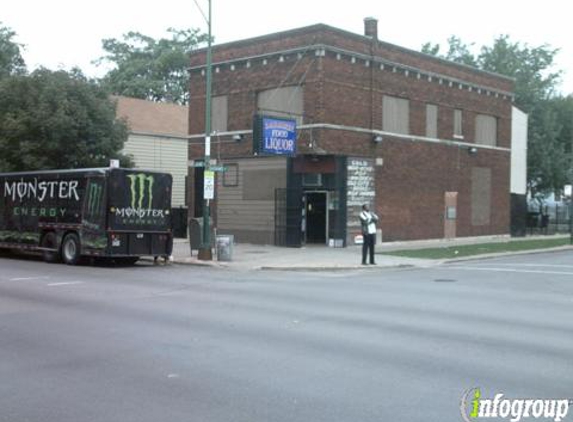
351,88
410,189
323,34
242,85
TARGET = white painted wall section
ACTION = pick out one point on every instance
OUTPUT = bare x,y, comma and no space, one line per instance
163,154
518,151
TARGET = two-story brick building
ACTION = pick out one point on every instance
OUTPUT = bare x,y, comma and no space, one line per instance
425,141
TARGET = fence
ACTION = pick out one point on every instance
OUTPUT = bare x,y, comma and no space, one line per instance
553,219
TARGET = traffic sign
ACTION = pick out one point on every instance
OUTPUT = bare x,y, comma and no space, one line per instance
209,185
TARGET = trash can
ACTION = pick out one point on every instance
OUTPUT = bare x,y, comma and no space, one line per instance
225,247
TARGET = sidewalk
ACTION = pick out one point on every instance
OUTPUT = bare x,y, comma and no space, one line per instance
318,257
310,258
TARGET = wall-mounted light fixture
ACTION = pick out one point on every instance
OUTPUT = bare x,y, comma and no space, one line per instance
377,138
238,137
472,150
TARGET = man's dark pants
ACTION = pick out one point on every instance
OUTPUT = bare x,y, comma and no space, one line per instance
368,247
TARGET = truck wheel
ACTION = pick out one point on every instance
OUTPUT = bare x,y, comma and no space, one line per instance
50,241
71,249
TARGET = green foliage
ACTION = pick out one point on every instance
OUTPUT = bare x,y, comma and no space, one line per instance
11,61
550,116
151,69
458,51
531,67
57,120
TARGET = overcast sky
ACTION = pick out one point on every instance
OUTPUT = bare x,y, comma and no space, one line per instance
66,33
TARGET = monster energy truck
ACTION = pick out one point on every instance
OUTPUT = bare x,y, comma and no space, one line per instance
105,212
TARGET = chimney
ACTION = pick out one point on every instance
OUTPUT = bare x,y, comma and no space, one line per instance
371,28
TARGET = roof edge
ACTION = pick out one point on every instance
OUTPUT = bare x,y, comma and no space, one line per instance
321,26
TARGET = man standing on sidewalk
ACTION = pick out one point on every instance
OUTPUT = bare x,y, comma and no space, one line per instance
368,220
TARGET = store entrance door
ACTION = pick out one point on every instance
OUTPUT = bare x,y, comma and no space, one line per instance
316,217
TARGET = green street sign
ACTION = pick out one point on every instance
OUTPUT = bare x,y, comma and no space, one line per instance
221,169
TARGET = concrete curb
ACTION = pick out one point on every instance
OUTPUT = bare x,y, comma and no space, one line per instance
333,268
330,268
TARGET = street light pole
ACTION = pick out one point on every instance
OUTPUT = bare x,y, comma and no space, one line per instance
570,207
205,252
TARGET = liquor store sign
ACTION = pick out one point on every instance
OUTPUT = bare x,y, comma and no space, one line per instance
275,136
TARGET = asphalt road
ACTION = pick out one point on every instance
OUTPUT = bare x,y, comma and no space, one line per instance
175,343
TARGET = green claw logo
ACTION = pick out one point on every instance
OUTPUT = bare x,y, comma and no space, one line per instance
141,209
138,183
94,199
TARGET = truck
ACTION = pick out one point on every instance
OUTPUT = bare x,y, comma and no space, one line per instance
65,215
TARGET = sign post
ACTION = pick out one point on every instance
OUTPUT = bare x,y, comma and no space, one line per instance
205,253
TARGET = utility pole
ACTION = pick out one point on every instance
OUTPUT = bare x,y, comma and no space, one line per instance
205,253
571,195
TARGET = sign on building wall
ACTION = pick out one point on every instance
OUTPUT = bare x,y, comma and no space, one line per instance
274,136
360,190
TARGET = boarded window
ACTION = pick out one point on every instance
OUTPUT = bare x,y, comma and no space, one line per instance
260,185
486,130
219,114
481,196
431,121
283,102
458,124
396,115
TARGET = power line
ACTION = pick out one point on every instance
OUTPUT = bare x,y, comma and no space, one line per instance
201,10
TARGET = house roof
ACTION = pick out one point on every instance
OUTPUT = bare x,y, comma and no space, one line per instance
149,117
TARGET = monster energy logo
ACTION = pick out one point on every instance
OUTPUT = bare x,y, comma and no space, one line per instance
141,202
94,198
137,184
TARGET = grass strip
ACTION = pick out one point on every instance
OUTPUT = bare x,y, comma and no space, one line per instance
459,251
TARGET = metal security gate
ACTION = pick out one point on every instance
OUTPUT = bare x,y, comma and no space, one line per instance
288,217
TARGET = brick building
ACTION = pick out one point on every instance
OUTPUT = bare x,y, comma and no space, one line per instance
425,141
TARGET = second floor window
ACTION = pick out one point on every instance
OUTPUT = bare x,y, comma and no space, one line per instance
219,114
486,130
282,102
431,120
458,124
395,115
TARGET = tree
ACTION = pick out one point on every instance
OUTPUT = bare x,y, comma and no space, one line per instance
11,61
535,93
458,51
51,120
151,69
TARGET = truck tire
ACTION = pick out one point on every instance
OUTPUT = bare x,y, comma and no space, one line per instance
71,249
50,241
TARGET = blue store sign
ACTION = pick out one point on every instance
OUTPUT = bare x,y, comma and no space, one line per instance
277,136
